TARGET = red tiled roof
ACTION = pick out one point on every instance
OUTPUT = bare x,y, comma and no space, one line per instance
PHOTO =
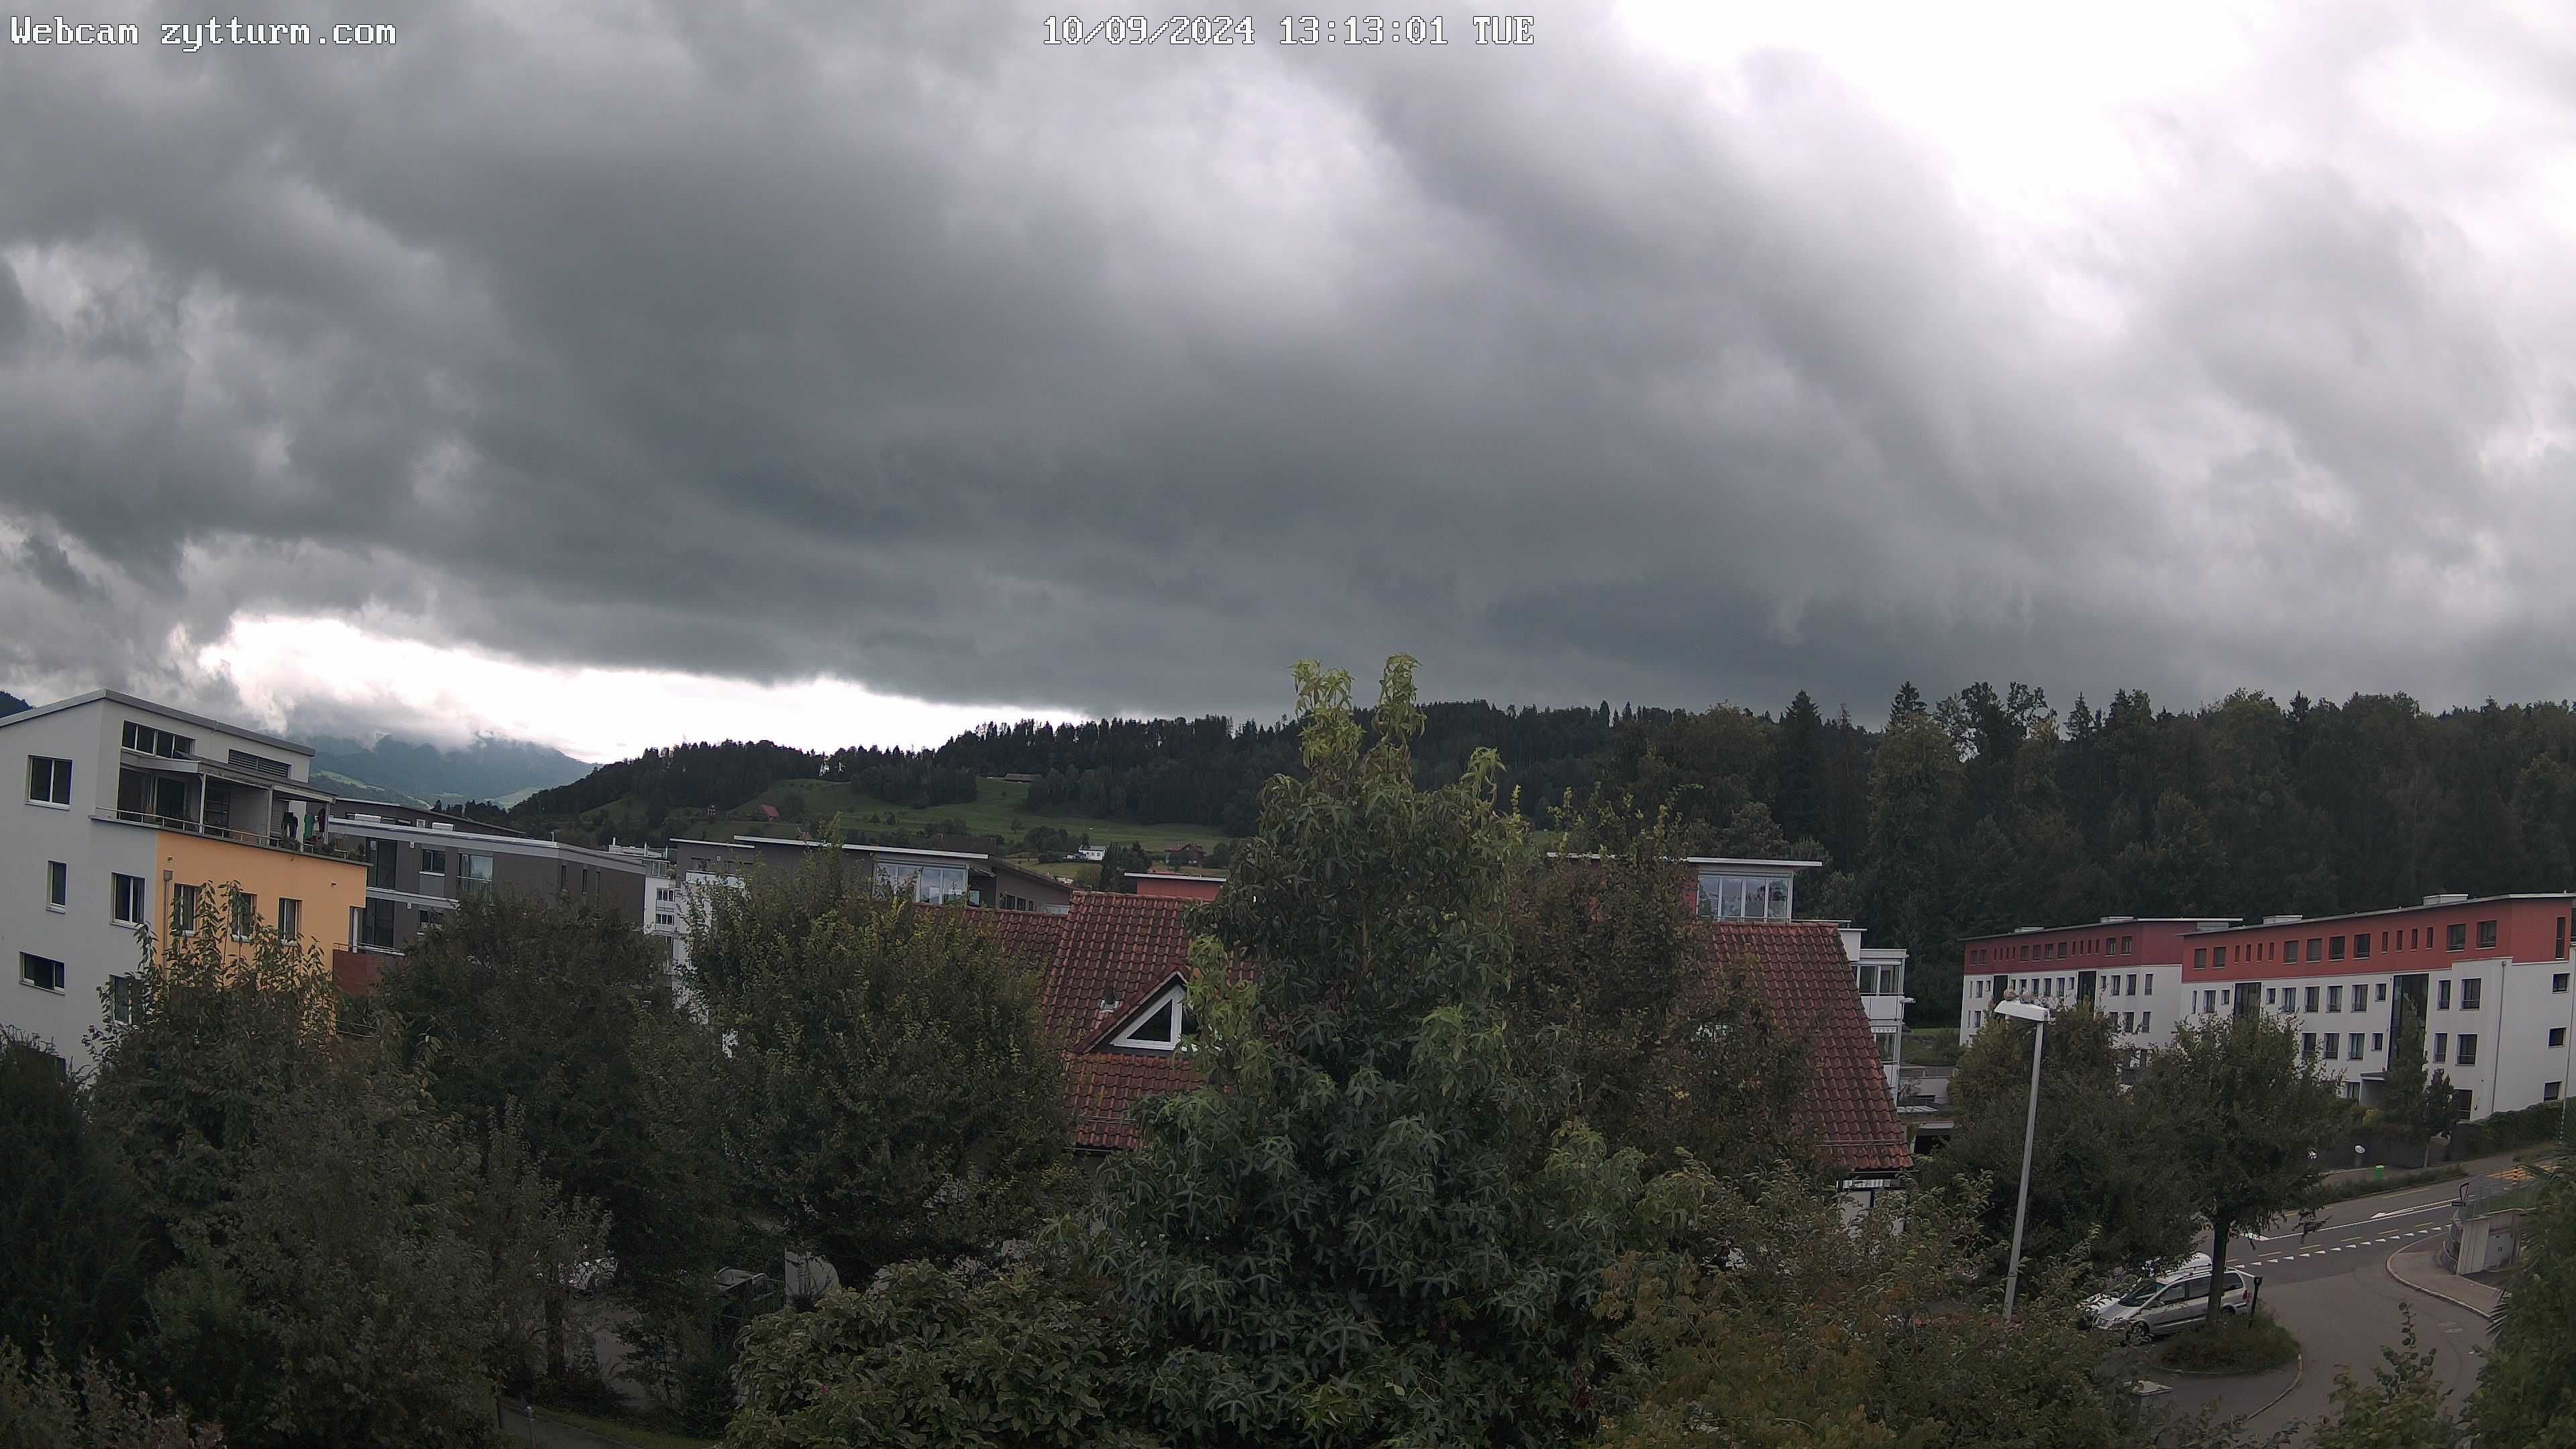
1113,952
1803,975
1103,1088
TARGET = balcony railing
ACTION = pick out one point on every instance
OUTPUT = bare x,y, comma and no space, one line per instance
326,848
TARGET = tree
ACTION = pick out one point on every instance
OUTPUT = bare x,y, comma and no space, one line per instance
2247,1113
2527,1392
1366,1228
1914,793
2101,1179
567,1012
967,1357
1118,863
891,1090
1795,1329
1660,1045
72,1267
46,1406
316,1212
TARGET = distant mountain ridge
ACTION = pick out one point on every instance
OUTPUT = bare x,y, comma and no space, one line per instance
10,703
500,770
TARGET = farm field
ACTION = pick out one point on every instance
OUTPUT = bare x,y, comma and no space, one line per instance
999,809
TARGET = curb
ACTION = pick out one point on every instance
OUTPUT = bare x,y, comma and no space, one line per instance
2404,1281
2295,1380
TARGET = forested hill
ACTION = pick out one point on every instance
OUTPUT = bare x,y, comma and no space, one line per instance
1978,812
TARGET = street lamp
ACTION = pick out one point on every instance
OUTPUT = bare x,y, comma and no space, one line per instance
2037,1015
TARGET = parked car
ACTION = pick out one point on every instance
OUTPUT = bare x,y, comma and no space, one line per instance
2169,1302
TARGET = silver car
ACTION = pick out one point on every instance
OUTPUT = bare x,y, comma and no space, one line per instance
2168,1303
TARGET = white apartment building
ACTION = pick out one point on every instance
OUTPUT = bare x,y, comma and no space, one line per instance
128,815
2490,977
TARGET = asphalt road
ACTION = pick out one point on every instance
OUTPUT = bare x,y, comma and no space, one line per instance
2334,1292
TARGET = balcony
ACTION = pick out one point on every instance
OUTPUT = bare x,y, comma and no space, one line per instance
325,848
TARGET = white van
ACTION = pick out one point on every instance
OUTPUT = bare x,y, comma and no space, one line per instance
2169,1302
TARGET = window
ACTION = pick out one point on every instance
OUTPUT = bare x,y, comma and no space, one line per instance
1161,1025
382,858
2382,991
2558,1036
2468,1049
2308,1045
2442,994
2455,938
2217,956
2361,947
2200,957
49,781
2558,984
2128,1021
664,918
145,740
290,919
2469,994
41,972
58,885
2549,1091
432,862
2486,934
1886,1046
2334,948
2151,983
2127,943
2268,996
245,915
2290,952
429,920
2378,1042
1746,897
2132,988
2312,1000
2316,948
2559,938
183,909
2334,998
124,1000
2146,1020
126,899
2333,1045
2352,1046
2441,1046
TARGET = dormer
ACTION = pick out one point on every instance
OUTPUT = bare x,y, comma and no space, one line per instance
1158,1025
1733,889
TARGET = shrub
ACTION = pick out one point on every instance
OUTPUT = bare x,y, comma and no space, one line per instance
2239,1344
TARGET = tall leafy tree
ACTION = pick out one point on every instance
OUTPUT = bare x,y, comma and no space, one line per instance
317,1214
890,1089
1364,1229
567,1012
2100,1179
1914,790
2247,1113
72,1241
1661,1043
2403,1088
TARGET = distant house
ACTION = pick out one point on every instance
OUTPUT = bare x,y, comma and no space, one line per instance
765,812
1092,852
1185,855
1177,887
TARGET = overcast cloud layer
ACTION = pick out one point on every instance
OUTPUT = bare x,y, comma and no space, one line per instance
1658,361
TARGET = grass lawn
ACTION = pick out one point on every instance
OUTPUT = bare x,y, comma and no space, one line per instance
623,1432
998,809
2237,1345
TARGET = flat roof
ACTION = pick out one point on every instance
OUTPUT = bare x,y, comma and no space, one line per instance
510,844
2309,921
1168,875
1741,860
118,696
868,849
2020,931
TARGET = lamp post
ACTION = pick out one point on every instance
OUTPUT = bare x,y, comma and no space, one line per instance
2037,1015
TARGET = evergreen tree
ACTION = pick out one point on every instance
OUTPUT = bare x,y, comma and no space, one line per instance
1803,769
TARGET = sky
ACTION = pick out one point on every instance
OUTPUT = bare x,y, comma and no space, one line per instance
609,373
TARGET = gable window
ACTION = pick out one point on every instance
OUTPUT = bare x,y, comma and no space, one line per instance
41,972
1162,1024
49,781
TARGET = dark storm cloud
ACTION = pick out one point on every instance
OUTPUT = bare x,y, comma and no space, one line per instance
897,346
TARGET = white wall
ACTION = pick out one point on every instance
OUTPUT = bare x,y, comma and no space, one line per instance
83,935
